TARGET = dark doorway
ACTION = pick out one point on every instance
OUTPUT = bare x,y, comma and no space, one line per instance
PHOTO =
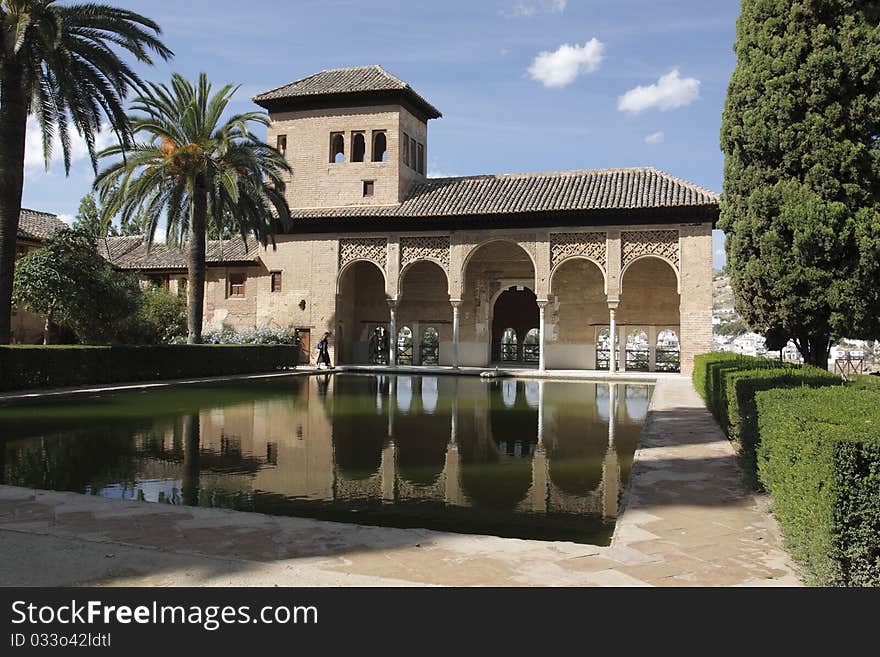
517,309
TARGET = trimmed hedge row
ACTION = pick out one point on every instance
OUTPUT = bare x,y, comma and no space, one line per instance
23,368
729,383
819,458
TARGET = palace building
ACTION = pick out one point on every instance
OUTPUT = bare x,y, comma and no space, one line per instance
538,269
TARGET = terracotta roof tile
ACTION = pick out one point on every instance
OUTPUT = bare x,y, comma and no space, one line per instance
358,79
131,253
37,226
601,189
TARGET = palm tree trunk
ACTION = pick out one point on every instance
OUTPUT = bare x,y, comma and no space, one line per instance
195,264
13,127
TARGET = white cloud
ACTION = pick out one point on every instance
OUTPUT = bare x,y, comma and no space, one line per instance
561,67
669,92
33,155
67,218
529,9
655,137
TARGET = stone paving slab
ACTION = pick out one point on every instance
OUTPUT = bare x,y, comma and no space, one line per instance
688,521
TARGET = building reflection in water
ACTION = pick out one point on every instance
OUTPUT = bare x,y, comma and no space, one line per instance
418,445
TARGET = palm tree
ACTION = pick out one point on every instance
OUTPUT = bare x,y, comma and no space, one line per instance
58,63
195,168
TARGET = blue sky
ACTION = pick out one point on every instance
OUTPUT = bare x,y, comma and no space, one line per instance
524,85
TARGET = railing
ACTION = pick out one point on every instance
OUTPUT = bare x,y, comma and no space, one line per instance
531,353
668,360
509,352
849,366
637,360
429,354
405,352
603,359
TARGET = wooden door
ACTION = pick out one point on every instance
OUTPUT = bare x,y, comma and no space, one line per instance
305,344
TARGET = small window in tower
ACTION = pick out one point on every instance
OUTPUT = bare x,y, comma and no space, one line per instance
337,148
358,147
412,152
282,144
369,188
380,146
421,162
276,281
236,285
406,149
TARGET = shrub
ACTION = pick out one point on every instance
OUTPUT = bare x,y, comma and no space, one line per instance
267,336
819,457
741,415
24,368
708,377
160,317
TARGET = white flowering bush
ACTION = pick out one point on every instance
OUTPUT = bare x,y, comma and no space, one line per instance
264,335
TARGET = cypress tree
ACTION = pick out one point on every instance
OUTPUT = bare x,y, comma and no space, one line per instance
801,204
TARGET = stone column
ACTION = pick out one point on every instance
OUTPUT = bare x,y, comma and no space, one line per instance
392,341
451,469
456,330
612,339
652,348
388,465
621,348
541,331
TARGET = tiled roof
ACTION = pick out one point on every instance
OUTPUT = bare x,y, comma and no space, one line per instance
131,253
355,80
37,226
604,189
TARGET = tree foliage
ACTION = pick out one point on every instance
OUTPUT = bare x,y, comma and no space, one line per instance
199,170
801,206
61,64
67,281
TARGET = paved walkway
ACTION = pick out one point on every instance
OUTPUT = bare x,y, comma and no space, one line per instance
688,521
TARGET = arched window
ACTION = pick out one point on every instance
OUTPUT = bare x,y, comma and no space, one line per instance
337,148
532,346
380,147
638,352
603,349
668,358
509,346
358,147
405,346
430,348
379,346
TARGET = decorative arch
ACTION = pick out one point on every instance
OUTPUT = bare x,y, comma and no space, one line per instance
654,257
586,258
661,244
340,276
466,261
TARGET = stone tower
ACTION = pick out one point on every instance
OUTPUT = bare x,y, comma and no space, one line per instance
353,136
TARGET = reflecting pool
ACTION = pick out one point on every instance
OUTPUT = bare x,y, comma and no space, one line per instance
518,458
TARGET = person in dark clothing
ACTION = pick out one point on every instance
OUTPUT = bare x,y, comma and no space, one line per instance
324,351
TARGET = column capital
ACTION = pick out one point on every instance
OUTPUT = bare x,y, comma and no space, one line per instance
542,303
392,303
456,303
613,305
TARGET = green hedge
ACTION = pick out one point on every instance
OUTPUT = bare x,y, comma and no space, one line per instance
819,458
741,417
728,383
23,368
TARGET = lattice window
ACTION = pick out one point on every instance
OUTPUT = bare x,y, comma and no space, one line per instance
586,245
662,243
424,248
374,249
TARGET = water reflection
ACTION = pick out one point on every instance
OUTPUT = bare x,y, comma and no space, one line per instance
532,459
